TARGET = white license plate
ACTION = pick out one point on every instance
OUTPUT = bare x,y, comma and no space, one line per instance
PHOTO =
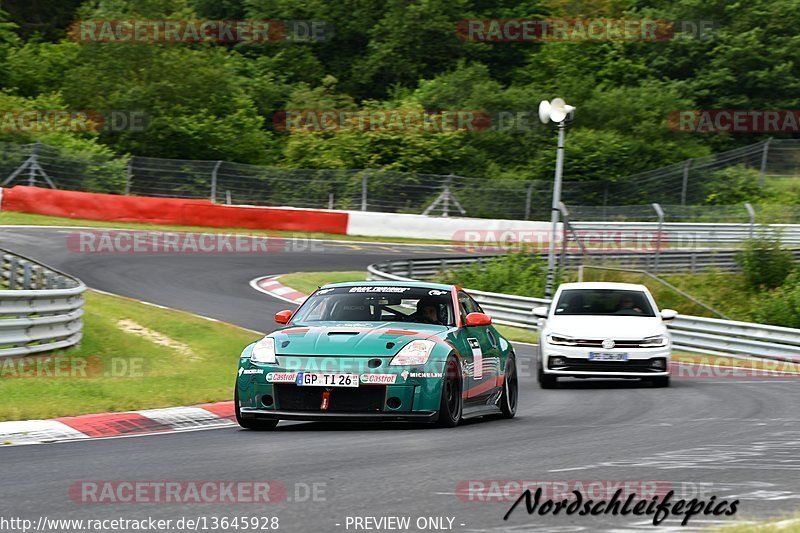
326,379
602,356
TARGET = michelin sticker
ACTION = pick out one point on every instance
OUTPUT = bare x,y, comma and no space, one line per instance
477,357
406,374
251,371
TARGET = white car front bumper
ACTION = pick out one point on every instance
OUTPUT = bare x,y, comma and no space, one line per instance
575,361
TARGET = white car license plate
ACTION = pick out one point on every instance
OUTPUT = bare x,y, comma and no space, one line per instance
602,356
326,379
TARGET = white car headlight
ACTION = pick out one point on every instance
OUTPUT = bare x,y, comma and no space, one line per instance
264,351
561,340
656,341
413,353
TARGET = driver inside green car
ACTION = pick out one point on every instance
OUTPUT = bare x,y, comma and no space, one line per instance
427,312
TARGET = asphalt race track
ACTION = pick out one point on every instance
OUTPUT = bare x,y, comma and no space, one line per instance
703,437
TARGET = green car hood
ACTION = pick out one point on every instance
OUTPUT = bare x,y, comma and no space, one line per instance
367,339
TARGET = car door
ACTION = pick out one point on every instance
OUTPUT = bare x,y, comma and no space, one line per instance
482,343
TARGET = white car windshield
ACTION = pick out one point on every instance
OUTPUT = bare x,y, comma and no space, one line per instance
604,302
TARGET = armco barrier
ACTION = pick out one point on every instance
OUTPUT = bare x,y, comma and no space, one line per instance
690,235
668,261
40,308
116,208
691,333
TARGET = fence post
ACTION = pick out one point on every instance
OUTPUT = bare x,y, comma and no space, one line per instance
27,272
685,185
214,182
32,165
330,200
567,226
764,154
752,213
13,264
364,180
129,176
528,199
660,214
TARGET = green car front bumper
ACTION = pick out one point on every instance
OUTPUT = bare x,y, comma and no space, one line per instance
384,392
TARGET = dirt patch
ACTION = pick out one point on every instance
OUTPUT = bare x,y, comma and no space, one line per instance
158,338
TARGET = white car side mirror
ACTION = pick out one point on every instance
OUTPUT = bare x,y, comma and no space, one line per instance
668,314
540,312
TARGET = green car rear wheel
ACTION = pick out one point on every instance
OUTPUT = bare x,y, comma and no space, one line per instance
508,401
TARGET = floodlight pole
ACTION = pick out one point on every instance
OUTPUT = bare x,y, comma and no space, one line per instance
554,214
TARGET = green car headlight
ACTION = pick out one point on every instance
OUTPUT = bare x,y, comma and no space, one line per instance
413,353
264,351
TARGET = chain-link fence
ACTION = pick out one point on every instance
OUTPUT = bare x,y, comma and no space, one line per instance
684,188
732,214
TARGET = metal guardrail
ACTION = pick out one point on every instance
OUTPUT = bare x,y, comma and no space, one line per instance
729,337
691,333
667,261
687,234
40,308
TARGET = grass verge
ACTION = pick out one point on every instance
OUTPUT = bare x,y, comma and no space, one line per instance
133,356
22,219
306,282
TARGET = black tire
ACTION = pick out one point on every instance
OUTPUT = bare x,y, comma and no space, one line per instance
660,381
546,381
250,423
451,403
510,396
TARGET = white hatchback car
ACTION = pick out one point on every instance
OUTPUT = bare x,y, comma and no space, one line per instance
609,330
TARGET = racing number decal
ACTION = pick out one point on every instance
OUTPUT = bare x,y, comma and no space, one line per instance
477,358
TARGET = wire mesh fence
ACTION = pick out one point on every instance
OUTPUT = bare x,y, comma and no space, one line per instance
685,189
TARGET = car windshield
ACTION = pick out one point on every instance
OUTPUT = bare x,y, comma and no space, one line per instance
604,302
373,303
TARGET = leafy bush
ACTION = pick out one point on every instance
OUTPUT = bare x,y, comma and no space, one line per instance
781,307
764,263
733,185
514,273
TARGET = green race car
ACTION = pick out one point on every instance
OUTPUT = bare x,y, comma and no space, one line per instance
363,351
